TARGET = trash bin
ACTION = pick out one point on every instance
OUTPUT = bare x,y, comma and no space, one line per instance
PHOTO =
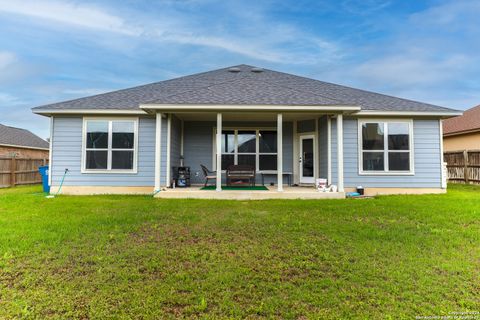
44,173
360,190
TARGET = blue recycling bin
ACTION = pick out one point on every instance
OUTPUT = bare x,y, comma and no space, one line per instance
44,173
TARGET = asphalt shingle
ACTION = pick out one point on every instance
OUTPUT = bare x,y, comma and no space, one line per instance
469,121
245,87
20,137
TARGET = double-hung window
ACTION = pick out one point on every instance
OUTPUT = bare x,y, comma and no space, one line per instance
110,145
254,147
386,147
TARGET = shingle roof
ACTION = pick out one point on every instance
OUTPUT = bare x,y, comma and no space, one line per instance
20,137
469,121
244,87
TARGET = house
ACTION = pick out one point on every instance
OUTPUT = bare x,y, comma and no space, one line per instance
284,126
462,132
21,143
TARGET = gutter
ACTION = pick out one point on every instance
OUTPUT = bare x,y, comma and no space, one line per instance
251,108
441,114
23,147
146,109
459,133
49,112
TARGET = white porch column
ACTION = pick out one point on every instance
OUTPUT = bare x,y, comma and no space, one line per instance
158,152
329,150
340,151
280,152
316,166
295,167
169,144
219,152
50,153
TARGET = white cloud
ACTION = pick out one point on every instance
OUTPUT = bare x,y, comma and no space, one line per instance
8,99
12,68
70,13
6,59
364,7
411,69
85,91
275,43
450,14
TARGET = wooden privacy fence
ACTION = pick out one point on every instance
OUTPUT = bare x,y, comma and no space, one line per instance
463,166
17,171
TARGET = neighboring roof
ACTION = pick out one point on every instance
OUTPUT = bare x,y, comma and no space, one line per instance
243,85
20,137
469,121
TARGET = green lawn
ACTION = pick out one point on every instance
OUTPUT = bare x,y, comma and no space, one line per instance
138,257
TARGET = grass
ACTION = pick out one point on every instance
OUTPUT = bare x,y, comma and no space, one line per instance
137,257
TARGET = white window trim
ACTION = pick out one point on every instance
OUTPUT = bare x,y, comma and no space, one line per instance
386,172
257,153
135,147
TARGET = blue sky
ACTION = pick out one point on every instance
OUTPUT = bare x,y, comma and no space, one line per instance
58,50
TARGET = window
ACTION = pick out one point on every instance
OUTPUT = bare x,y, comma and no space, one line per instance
386,147
110,145
254,147
267,154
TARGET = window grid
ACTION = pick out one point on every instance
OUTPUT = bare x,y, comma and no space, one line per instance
257,152
386,151
109,148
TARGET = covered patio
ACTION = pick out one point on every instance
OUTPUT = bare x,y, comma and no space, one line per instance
287,150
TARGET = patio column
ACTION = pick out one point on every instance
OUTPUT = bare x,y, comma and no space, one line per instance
329,150
169,142
158,152
340,151
219,152
280,152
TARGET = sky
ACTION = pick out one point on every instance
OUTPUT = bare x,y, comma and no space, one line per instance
54,50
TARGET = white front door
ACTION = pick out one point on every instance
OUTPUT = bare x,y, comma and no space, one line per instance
307,158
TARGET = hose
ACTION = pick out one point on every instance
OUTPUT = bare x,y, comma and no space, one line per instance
61,184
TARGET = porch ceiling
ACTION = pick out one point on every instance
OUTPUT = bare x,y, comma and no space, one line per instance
245,116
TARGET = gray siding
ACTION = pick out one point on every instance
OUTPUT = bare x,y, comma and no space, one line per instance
163,163
175,145
67,149
426,158
198,145
198,149
305,126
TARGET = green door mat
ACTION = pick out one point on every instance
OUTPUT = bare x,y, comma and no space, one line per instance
247,188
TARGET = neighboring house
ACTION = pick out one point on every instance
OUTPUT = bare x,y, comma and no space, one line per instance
463,132
21,143
127,141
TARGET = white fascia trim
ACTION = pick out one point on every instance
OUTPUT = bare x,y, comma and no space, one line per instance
408,113
23,147
235,108
47,112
